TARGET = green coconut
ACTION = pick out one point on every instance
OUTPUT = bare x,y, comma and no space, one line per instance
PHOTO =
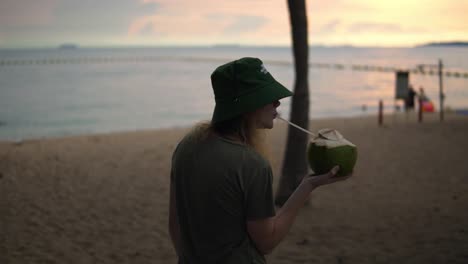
329,149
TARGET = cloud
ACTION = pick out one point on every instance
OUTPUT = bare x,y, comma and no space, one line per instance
49,22
146,29
384,28
331,6
330,27
101,16
24,13
367,27
202,22
242,24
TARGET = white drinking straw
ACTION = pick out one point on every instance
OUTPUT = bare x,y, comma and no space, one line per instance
296,126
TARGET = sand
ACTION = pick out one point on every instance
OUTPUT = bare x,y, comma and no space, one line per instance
104,198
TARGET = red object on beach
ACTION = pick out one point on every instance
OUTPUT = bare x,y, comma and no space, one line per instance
428,107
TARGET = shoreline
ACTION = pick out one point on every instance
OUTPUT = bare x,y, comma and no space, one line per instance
388,118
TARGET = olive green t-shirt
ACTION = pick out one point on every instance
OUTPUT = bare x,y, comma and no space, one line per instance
220,184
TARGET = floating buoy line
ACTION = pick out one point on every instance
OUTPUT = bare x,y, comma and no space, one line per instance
152,59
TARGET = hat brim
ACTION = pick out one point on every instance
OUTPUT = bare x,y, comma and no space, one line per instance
246,103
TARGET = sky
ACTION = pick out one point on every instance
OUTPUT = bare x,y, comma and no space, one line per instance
386,23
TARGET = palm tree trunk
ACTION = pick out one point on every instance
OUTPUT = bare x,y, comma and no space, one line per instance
295,162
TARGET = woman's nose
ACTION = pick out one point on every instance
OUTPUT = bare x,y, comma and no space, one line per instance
276,103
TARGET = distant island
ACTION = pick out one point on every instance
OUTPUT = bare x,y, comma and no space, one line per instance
226,46
67,46
446,44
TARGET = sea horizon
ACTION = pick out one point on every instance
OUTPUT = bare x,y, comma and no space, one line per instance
445,44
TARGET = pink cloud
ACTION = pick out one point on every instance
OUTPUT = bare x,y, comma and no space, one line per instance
19,13
210,19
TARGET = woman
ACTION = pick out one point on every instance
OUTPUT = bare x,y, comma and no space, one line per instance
221,198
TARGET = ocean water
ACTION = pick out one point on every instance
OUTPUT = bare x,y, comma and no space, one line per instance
61,92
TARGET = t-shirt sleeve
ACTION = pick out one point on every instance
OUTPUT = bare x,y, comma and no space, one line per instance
259,194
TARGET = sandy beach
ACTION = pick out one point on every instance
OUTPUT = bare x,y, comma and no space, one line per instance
104,198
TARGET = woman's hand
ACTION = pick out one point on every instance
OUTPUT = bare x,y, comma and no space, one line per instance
318,180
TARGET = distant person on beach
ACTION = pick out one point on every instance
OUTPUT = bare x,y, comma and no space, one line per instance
426,104
409,102
422,95
221,207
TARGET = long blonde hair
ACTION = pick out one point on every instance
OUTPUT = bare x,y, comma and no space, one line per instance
241,128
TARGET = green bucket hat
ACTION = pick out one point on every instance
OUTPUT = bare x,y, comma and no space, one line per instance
242,86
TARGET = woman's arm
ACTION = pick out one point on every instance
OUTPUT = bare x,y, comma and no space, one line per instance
267,233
